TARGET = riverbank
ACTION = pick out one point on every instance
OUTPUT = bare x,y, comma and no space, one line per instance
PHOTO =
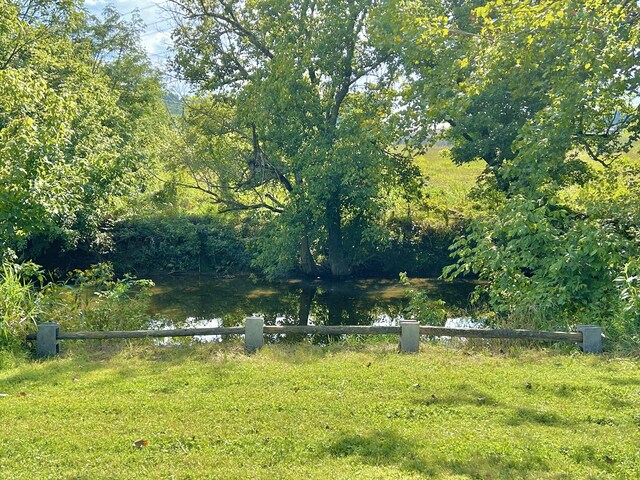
211,411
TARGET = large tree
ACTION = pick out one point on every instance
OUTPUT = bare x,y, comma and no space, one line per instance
307,99
69,119
547,93
491,74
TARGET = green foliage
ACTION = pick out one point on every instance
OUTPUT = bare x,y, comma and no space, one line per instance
277,247
20,302
304,125
627,321
543,264
415,246
533,88
178,244
72,118
421,306
95,299
524,84
555,264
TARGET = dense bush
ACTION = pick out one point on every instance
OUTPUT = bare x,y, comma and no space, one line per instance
90,299
628,319
402,244
166,244
94,299
549,265
419,249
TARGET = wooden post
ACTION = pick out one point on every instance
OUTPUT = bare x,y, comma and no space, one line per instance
409,336
47,343
253,333
591,338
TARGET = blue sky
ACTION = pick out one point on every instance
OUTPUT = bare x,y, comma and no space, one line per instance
157,37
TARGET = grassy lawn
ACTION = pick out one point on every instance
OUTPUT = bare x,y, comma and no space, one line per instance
443,174
448,184
308,412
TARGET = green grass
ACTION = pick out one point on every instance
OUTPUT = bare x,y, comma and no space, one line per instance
307,412
448,185
443,174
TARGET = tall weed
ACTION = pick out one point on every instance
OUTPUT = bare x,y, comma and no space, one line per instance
20,301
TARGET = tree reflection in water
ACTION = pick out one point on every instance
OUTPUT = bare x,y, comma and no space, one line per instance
296,302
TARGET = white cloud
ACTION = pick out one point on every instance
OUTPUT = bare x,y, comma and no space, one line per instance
157,36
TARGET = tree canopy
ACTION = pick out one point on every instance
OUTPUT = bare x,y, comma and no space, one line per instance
73,96
523,84
546,93
303,121
308,98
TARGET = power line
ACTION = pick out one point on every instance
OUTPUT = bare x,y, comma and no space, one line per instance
156,31
153,5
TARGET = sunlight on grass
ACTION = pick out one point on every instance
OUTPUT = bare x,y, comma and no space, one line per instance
448,187
446,175
310,412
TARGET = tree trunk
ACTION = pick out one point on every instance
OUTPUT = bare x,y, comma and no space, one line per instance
306,301
337,261
307,262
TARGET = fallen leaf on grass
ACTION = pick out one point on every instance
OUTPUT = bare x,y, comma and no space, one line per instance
22,394
141,443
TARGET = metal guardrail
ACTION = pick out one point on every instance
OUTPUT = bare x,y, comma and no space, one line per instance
588,337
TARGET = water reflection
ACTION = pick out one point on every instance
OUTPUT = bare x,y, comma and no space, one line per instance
193,301
165,324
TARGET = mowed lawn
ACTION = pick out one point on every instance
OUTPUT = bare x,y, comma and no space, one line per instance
308,412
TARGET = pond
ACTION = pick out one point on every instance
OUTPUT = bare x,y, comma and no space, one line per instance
195,301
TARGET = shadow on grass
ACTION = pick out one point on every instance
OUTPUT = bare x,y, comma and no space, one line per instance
524,416
387,448
82,360
462,394
383,447
465,395
621,381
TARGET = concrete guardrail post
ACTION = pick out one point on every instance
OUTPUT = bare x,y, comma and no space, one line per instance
409,336
253,333
47,343
591,338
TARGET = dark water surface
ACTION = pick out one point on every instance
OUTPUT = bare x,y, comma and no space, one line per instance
206,301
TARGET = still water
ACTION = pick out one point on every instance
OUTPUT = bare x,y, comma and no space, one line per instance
200,301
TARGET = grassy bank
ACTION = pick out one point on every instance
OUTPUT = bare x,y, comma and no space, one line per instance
448,186
305,412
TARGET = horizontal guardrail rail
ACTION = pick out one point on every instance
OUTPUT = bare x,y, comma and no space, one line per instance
588,337
333,329
180,332
501,333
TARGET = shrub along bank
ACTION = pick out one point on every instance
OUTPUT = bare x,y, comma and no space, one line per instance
207,244
166,244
